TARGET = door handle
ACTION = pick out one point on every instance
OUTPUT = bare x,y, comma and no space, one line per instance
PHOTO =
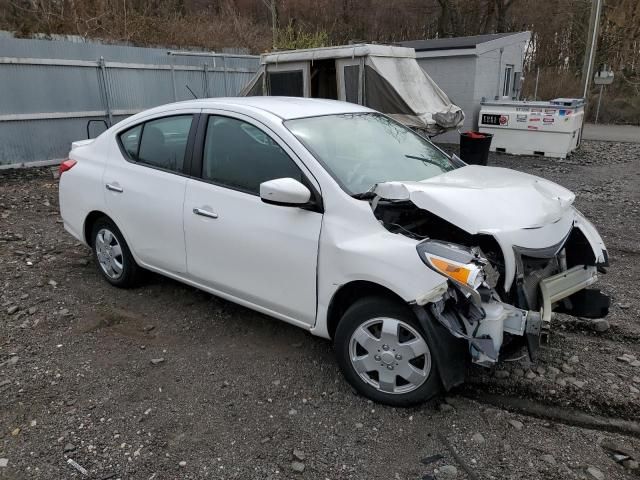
205,213
114,188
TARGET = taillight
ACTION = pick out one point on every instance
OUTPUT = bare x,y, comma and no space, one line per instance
66,165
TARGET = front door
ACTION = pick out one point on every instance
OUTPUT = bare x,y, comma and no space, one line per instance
261,254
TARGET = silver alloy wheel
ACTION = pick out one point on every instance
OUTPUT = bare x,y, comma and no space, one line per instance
109,253
390,355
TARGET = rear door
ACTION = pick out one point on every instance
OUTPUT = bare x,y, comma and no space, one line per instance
145,186
264,255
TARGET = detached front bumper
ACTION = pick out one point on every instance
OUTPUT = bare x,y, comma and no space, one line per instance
484,323
564,284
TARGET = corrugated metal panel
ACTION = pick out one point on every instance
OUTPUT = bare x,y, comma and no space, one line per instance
40,90
44,88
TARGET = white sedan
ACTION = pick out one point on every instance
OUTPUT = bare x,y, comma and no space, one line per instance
337,219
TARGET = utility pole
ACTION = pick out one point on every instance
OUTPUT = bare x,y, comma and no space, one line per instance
592,42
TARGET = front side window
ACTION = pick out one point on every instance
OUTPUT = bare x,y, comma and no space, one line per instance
241,156
159,143
362,149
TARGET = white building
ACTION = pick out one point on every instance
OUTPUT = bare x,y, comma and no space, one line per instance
469,69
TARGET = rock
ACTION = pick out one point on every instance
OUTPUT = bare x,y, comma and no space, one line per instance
183,464
633,389
359,425
502,374
554,370
15,432
548,459
12,361
600,325
635,379
297,467
517,372
628,464
293,411
516,424
478,438
573,359
540,370
12,309
445,407
4,462
635,363
624,306
625,357
447,471
577,383
298,454
593,472
53,283
148,328
69,447
530,375
32,310
568,369
157,361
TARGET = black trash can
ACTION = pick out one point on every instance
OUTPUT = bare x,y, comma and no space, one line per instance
474,147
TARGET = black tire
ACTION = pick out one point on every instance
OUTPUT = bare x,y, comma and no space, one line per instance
131,272
358,314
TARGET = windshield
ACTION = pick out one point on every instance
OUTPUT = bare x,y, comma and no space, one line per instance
362,149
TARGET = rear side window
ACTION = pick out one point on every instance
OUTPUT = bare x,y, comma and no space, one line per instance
159,143
241,156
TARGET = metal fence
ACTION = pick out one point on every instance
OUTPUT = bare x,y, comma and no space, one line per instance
50,89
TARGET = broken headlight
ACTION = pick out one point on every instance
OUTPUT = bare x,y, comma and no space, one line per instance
459,263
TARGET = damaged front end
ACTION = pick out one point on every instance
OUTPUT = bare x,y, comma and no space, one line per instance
505,278
472,309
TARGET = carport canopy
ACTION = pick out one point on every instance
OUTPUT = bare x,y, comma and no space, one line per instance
383,77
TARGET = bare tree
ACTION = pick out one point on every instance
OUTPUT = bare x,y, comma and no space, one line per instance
449,21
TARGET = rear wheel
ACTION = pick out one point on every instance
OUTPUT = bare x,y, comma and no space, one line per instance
384,354
112,255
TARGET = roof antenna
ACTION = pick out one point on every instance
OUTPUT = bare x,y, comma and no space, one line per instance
191,91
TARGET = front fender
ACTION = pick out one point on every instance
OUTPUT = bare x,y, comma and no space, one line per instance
593,237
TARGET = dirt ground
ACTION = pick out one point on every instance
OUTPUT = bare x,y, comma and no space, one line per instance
167,382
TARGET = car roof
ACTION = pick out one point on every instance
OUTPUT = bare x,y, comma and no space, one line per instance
283,107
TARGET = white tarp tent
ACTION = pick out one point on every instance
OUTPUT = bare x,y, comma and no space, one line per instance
383,77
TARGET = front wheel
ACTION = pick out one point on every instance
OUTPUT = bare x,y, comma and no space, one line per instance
384,354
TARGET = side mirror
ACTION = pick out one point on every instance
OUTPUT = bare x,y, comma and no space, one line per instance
93,132
286,192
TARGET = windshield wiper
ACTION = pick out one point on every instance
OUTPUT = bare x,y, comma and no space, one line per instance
368,195
425,160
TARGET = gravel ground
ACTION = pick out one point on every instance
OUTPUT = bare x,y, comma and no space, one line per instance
165,382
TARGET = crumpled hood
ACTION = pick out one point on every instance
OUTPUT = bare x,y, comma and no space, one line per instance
481,199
